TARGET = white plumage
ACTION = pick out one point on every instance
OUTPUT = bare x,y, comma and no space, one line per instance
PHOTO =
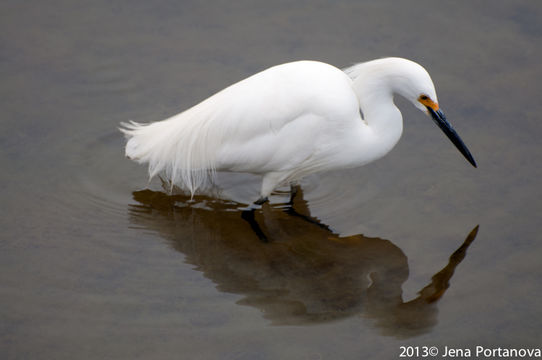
285,122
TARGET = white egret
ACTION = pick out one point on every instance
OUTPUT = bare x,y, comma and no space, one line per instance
289,121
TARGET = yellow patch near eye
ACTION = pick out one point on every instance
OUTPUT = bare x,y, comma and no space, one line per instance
426,100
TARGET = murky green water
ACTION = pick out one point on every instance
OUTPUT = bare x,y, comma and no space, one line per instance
93,265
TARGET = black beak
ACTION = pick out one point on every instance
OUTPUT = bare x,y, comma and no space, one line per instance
446,127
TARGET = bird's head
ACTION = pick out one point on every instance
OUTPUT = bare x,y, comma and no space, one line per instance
414,83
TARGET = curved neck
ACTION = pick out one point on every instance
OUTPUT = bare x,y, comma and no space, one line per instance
372,85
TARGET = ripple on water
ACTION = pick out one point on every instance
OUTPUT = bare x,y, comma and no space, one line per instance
107,77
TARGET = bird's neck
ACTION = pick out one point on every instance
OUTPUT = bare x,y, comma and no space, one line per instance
383,118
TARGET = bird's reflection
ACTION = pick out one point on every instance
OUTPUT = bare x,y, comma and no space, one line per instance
304,274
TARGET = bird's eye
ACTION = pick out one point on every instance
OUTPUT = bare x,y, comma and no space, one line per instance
424,97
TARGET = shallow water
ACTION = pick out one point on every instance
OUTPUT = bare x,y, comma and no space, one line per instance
95,262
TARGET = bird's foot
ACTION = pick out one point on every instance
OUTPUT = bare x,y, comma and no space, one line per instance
261,201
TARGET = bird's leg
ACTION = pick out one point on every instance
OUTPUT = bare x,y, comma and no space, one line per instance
261,200
293,193
248,216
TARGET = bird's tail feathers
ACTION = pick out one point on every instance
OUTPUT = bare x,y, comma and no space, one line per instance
176,147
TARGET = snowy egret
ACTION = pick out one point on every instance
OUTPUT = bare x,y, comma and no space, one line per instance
289,121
